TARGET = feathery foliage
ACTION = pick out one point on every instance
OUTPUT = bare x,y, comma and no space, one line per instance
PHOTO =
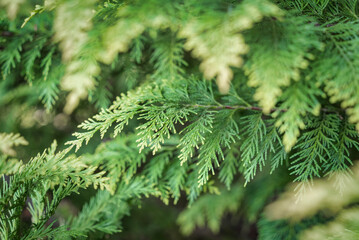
183,99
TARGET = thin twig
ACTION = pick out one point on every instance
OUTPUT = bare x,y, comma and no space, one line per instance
254,108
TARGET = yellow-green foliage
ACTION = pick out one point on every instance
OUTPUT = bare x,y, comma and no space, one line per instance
8,141
320,198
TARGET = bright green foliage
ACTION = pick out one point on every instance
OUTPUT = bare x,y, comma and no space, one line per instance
48,171
188,98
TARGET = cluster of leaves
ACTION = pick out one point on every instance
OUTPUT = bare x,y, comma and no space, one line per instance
285,97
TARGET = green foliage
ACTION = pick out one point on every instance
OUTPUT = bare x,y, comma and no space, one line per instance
11,55
261,142
208,39
7,141
48,171
342,39
296,105
330,217
202,211
278,58
193,97
281,229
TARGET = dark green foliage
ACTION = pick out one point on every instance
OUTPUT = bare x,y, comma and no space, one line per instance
280,229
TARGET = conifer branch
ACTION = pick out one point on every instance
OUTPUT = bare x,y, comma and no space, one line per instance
339,112
172,129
